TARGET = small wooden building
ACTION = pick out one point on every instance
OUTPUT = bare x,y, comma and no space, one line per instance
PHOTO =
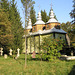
41,29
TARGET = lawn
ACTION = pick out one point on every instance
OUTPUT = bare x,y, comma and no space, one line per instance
11,66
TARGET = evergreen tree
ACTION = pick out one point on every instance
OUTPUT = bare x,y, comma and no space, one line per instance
16,27
6,37
45,18
4,4
32,15
72,13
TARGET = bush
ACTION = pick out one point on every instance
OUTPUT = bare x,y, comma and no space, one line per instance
50,48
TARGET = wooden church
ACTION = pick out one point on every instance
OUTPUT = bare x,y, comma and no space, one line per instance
40,29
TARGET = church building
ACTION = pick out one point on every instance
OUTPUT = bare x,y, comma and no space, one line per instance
40,29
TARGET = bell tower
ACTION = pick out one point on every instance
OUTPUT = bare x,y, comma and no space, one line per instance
52,22
29,27
39,24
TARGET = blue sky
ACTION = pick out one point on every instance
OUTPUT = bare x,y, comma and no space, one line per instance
61,8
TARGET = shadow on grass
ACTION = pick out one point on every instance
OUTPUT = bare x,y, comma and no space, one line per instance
30,59
72,71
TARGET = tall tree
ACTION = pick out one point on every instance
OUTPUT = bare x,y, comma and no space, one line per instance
6,36
72,13
27,4
68,28
4,4
45,18
17,29
32,15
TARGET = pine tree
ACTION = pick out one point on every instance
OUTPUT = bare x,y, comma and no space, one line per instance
72,13
17,29
32,15
4,4
45,18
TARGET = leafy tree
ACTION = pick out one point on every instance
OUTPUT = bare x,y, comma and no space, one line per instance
50,48
32,15
17,29
72,13
27,4
45,18
6,36
66,26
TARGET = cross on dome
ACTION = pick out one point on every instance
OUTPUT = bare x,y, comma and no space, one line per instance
52,19
52,13
39,7
39,19
39,16
51,5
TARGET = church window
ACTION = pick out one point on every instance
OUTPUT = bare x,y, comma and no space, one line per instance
57,27
44,28
47,26
34,28
60,37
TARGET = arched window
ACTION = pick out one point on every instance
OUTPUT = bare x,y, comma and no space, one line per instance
44,28
47,26
57,26
33,28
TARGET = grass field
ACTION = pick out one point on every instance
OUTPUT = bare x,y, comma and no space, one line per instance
11,66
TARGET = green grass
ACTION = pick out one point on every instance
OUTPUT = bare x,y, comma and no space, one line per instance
11,66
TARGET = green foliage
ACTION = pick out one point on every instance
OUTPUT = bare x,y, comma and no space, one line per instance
17,29
32,15
70,29
4,4
10,26
72,13
35,67
50,48
45,18
6,36
66,26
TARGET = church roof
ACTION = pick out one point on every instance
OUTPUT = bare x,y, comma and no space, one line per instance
52,30
29,27
39,22
52,19
39,19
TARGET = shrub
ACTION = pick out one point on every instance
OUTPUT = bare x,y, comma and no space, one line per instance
50,48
